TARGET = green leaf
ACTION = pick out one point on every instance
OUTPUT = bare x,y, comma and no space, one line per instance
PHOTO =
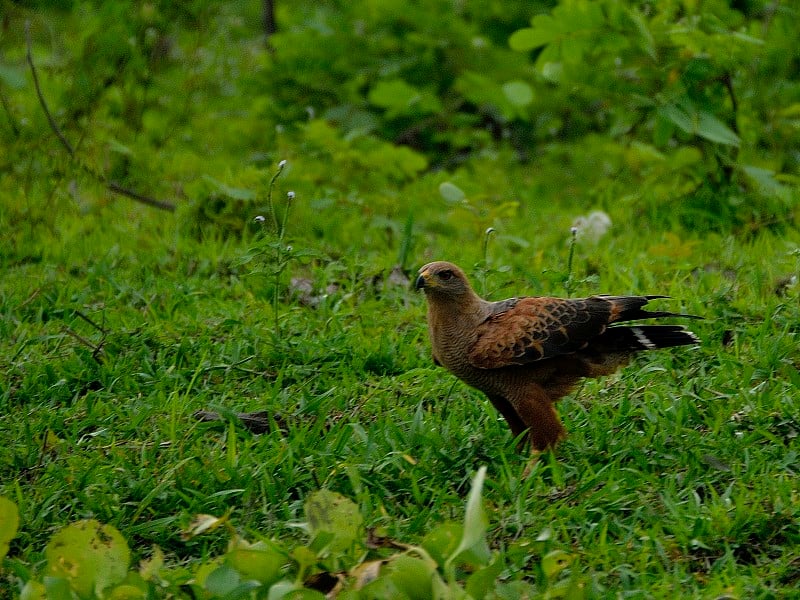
262,564
34,590
441,541
58,588
303,594
518,93
13,78
475,521
126,591
394,93
766,183
119,147
229,191
644,153
677,116
701,123
411,575
552,71
381,587
554,562
281,589
150,568
663,129
646,40
451,192
222,580
332,513
530,38
9,523
482,581
399,97
711,128
570,589
790,112
89,555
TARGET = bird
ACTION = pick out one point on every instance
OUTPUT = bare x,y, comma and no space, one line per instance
526,353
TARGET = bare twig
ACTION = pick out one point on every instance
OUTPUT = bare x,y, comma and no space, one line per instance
123,191
727,81
92,323
53,124
111,185
268,18
81,339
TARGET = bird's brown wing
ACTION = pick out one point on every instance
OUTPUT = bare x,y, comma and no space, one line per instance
529,329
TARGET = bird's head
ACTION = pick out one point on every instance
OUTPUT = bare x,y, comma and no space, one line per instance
443,279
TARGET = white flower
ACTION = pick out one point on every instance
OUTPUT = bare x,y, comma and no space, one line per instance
591,227
290,196
282,164
260,219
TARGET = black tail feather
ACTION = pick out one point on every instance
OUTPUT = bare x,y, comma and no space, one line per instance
630,309
645,337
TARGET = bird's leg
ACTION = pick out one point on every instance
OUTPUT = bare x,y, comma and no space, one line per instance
530,466
515,423
536,410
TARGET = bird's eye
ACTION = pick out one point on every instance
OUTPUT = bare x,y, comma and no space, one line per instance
445,275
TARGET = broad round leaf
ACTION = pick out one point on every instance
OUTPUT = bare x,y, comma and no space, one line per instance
554,562
9,523
127,591
442,541
518,93
263,565
412,576
329,512
223,580
89,555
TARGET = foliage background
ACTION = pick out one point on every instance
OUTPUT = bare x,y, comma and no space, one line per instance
408,130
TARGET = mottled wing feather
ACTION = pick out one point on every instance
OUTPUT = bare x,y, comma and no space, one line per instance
531,329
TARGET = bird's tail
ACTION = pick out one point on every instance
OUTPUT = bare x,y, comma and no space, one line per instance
645,337
629,308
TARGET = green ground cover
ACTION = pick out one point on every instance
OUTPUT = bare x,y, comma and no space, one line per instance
407,132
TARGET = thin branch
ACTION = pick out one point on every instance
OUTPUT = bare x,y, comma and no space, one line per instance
727,81
123,191
90,322
268,18
42,101
82,340
111,185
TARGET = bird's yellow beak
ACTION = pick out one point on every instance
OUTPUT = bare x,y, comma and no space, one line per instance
424,280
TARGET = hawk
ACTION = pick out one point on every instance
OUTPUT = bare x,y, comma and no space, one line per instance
526,353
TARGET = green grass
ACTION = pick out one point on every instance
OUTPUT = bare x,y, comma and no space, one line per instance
679,477
679,474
